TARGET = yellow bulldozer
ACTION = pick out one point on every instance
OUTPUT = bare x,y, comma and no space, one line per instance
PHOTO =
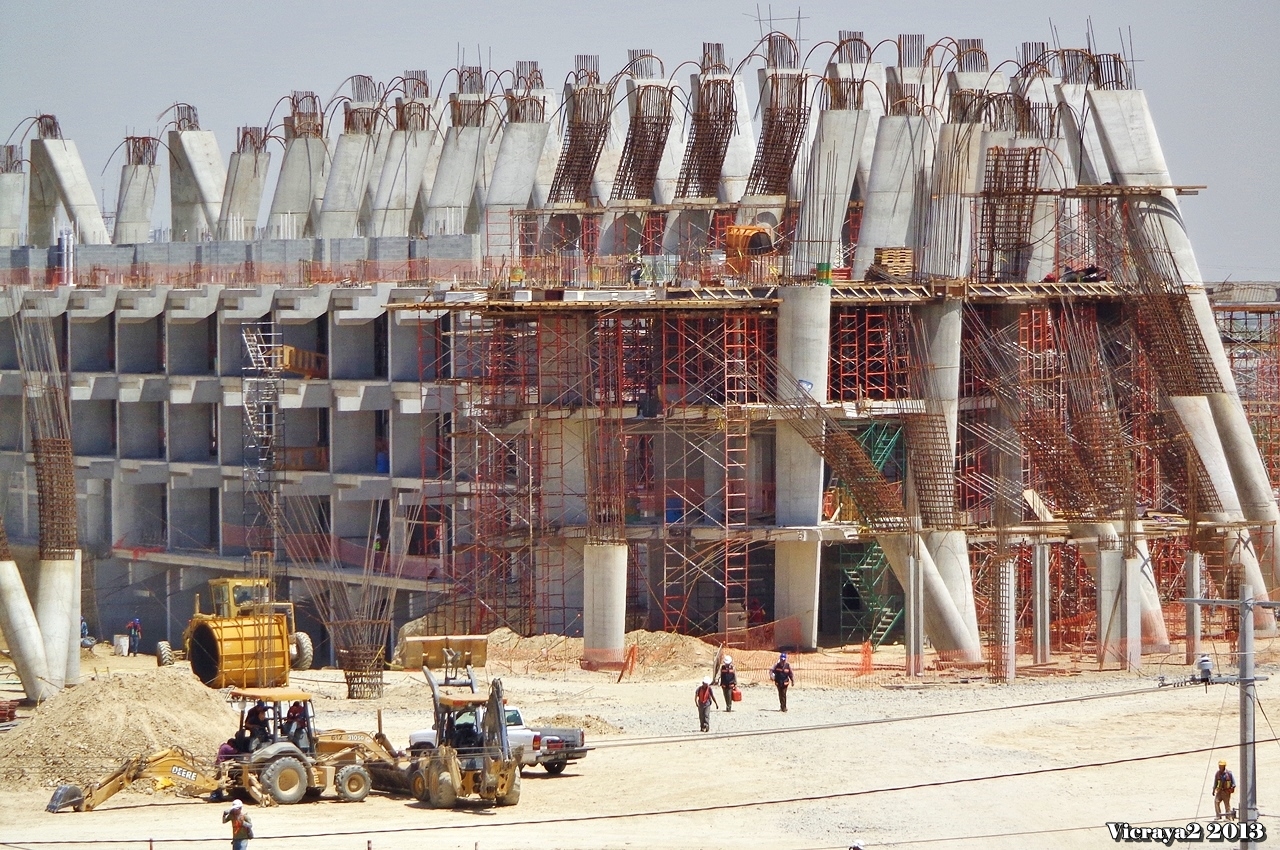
246,641
280,758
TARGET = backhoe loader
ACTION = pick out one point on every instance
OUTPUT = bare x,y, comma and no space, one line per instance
280,759
468,761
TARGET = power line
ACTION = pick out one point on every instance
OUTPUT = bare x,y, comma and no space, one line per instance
848,724
839,795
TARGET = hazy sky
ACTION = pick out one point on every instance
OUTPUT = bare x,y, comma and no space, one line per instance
107,69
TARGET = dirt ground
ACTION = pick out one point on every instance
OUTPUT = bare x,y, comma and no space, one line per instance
871,765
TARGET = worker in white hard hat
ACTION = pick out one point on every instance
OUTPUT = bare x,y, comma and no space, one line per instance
728,681
704,697
1224,784
241,826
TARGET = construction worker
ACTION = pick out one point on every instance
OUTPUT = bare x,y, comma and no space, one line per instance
241,826
728,681
134,630
704,697
1224,784
783,678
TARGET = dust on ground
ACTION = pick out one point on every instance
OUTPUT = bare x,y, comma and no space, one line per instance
87,731
587,722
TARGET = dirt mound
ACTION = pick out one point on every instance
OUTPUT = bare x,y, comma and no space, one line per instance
87,731
589,723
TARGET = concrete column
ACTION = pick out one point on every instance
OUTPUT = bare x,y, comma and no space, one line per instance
833,168
515,171
1040,611
943,623
462,178
345,187
13,186
196,182
58,177
134,203
896,185
1087,158
242,197
1096,536
73,628
1119,610
604,602
958,154
1056,174
54,606
409,154
22,633
300,184
804,331
1196,415
1192,573
796,570
914,628
1135,158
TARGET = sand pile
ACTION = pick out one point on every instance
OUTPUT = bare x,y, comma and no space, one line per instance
85,732
589,723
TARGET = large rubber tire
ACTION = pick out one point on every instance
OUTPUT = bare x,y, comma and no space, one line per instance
443,794
285,780
303,652
164,654
555,768
353,782
513,793
420,786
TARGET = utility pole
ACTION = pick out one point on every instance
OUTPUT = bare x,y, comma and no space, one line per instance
1246,680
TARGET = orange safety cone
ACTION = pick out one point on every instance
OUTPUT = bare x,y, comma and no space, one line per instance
865,667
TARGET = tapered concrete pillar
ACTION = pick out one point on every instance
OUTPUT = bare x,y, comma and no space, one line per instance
896,186
957,158
246,181
58,177
410,154
22,633
1196,416
942,621
55,602
832,170
604,602
1135,158
134,204
949,548
346,184
197,178
1040,604
299,188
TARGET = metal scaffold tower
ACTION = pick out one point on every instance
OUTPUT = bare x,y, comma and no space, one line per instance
262,437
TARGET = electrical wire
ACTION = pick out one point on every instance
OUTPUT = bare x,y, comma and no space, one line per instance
683,810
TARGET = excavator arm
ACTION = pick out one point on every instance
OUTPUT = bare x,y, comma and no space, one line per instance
175,765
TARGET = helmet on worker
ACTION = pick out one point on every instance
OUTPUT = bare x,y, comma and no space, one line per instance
728,659
1222,764
782,656
706,680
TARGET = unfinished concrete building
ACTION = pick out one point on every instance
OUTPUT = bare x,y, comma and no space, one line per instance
921,353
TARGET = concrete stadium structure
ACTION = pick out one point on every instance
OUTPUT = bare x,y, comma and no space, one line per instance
564,352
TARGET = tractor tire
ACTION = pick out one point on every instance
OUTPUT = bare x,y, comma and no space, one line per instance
285,780
353,783
164,654
513,793
303,652
443,794
555,768
420,786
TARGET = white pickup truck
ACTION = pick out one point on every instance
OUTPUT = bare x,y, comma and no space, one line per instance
553,748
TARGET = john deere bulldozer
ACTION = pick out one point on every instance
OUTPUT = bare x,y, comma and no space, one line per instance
247,641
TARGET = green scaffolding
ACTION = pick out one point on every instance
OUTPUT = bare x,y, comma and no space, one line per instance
871,600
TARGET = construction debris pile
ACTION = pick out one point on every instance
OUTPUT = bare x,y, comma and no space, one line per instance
83,733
